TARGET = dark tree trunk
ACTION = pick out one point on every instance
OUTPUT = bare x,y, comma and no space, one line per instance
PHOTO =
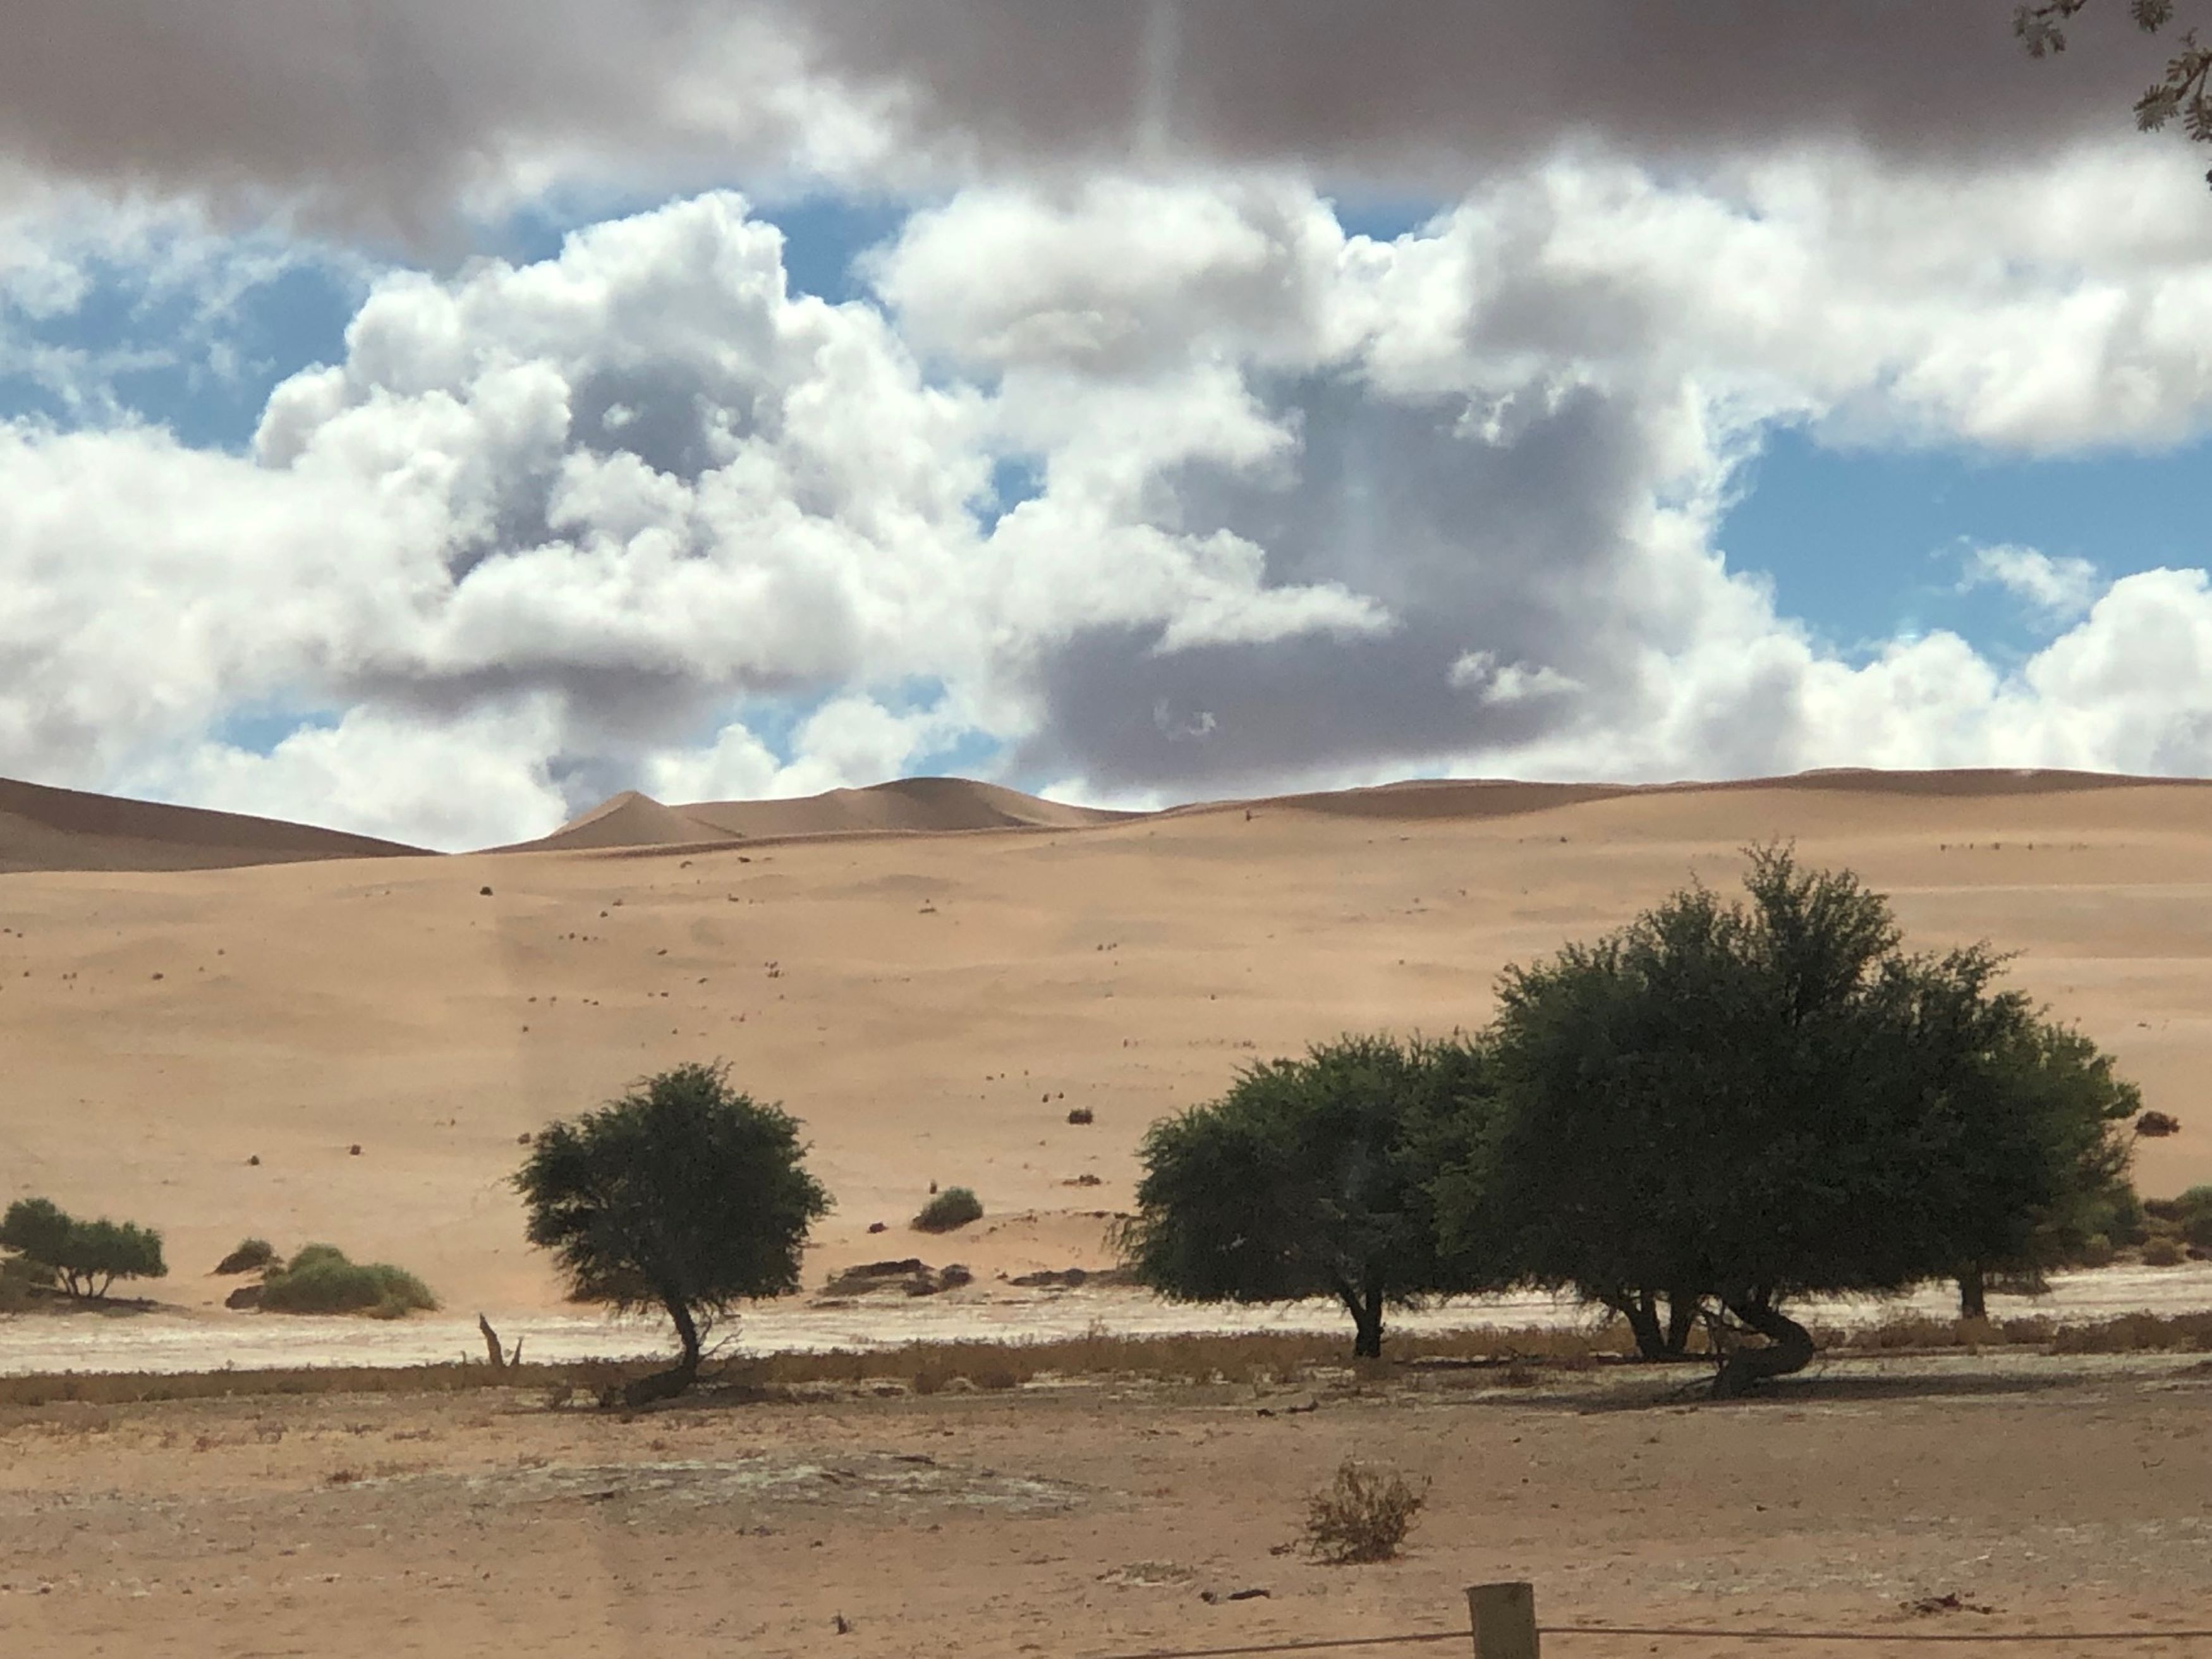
678,1378
1366,1310
1789,1349
1682,1310
1643,1316
1974,1292
1656,1340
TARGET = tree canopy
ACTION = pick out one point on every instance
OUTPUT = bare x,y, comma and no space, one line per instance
1727,1104
684,1195
86,1257
1310,1177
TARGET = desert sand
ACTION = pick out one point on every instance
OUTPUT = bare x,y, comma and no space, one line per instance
1098,1519
931,975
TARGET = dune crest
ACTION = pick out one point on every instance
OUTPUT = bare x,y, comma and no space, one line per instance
905,806
47,829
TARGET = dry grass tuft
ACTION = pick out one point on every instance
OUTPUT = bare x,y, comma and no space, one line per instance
1363,1514
2137,1334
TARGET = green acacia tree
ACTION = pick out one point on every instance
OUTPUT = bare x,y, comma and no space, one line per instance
684,1195
1310,1177
2040,1115
84,1257
1726,1105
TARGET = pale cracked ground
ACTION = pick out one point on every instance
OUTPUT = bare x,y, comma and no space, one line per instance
1093,1519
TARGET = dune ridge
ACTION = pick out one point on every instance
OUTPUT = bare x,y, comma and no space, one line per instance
46,829
631,821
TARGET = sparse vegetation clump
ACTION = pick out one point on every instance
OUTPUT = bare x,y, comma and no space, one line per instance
252,1255
20,1282
949,1210
83,1258
1363,1514
321,1279
2190,1216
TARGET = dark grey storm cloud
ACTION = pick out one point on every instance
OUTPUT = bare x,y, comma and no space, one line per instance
382,107
1511,551
385,107
1393,87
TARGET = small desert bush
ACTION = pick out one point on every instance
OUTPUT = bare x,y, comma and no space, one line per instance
319,1279
2096,1251
252,1255
1363,1514
2193,1211
20,1280
2163,1250
954,1207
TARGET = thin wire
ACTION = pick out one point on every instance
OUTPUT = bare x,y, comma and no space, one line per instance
2147,1634
1303,1647
1916,1637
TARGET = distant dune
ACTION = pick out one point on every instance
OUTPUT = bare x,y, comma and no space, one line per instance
908,806
62,829
1484,798
44,829
926,805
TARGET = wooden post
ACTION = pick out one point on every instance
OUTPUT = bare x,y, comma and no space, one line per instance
1504,1620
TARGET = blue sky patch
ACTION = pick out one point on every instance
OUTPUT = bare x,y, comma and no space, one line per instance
1863,545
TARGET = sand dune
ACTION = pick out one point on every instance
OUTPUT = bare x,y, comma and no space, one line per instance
933,1005
909,805
44,829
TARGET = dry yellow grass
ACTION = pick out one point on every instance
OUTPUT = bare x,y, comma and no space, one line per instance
1506,1357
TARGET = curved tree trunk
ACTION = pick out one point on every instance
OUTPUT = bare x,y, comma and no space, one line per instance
678,1378
1789,1347
1365,1307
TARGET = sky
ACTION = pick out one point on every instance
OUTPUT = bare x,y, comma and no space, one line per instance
428,420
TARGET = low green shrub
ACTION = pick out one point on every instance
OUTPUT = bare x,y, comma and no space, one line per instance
2162,1250
319,1279
2193,1213
954,1207
252,1255
20,1280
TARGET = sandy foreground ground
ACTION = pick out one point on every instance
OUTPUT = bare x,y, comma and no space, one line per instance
933,1006
1106,1519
